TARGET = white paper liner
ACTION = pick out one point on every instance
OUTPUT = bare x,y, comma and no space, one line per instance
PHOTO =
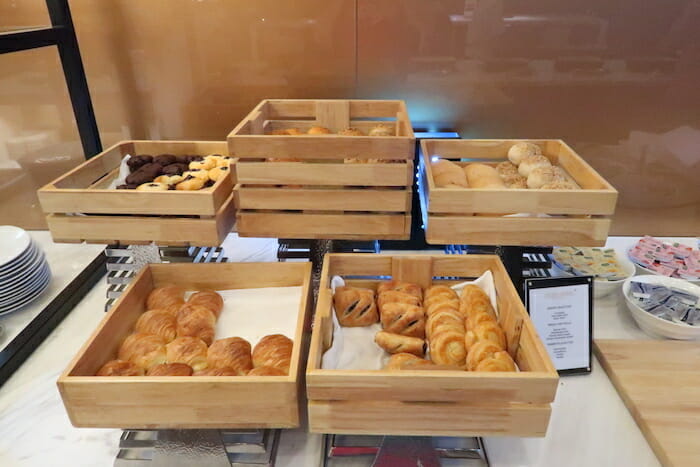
123,173
254,313
354,348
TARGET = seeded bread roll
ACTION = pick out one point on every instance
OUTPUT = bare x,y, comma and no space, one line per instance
539,176
521,150
531,162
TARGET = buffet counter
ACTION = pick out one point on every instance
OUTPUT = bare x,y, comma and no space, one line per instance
589,425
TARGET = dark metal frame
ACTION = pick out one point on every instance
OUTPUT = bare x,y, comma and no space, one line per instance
62,35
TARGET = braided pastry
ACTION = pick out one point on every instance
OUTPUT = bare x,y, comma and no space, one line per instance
500,361
404,287
481,351
403,319
274,351
355,306
447,347
233,352
394,343
485,331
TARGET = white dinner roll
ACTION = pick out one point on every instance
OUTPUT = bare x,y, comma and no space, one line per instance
540,175
530,162
519,151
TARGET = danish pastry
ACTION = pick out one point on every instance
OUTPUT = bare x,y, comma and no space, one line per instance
153,186
189,350
447,318
196,321
404,287
205,164
481,351
266,371
218,173
274,351
120,368
225,161
439,291
209,299
190,183
164,297
447,347
169,179
355,306
403,319
232,352
475,319
144,350
406,361
500,361
159,322
170,369
485,331
475,300
394,343
394,296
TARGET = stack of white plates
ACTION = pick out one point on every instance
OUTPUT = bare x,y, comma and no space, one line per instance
24,272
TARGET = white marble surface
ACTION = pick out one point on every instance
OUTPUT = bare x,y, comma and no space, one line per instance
590,426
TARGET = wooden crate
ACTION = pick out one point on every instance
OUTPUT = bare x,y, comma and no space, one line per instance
474,215
186,402
321,196
438,403
79,207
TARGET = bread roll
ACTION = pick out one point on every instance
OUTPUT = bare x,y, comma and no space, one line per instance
447,174
531,162
540,175
483,176
515,181
506,168
519,151
559,186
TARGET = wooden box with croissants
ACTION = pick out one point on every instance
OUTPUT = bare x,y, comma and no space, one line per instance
337,169
196,346
549,194
175,193
452,362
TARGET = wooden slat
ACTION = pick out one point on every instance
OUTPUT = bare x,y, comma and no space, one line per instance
427,419
345,199
321,146
333,114
363,125
224,276
338,226
338,174
414,269
444,230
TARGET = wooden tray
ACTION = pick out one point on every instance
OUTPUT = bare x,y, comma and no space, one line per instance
474,216
201,218
437,403
186,402
320,196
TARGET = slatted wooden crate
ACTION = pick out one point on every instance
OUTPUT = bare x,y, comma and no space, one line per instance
80,207
475,216
320,196
423,402
180,402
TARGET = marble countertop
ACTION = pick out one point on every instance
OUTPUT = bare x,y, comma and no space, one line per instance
589,425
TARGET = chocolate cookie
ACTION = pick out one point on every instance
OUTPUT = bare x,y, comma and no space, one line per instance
144,174
164,159
135,162
175,169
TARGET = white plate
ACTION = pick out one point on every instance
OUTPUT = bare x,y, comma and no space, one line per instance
26,289
4,309
24,269
655,326
641,270
14,242
19,261
22,276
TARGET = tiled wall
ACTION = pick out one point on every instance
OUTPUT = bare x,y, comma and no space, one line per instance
616,79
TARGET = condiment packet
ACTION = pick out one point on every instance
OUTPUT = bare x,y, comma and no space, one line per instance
638,290
684,296
693,317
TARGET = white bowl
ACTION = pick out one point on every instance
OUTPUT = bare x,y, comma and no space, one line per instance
603,288
641,270
659,327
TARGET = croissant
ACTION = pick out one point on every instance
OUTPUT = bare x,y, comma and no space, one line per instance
442,320
266,371
403,319
274,351
500,361
394,343
447,347
163,297
232,352
120,368
170,369
196,321
189,350
144,350
216,372
394,296
405,361
355,306
208,299
404,287
159,322
481,351
485,331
